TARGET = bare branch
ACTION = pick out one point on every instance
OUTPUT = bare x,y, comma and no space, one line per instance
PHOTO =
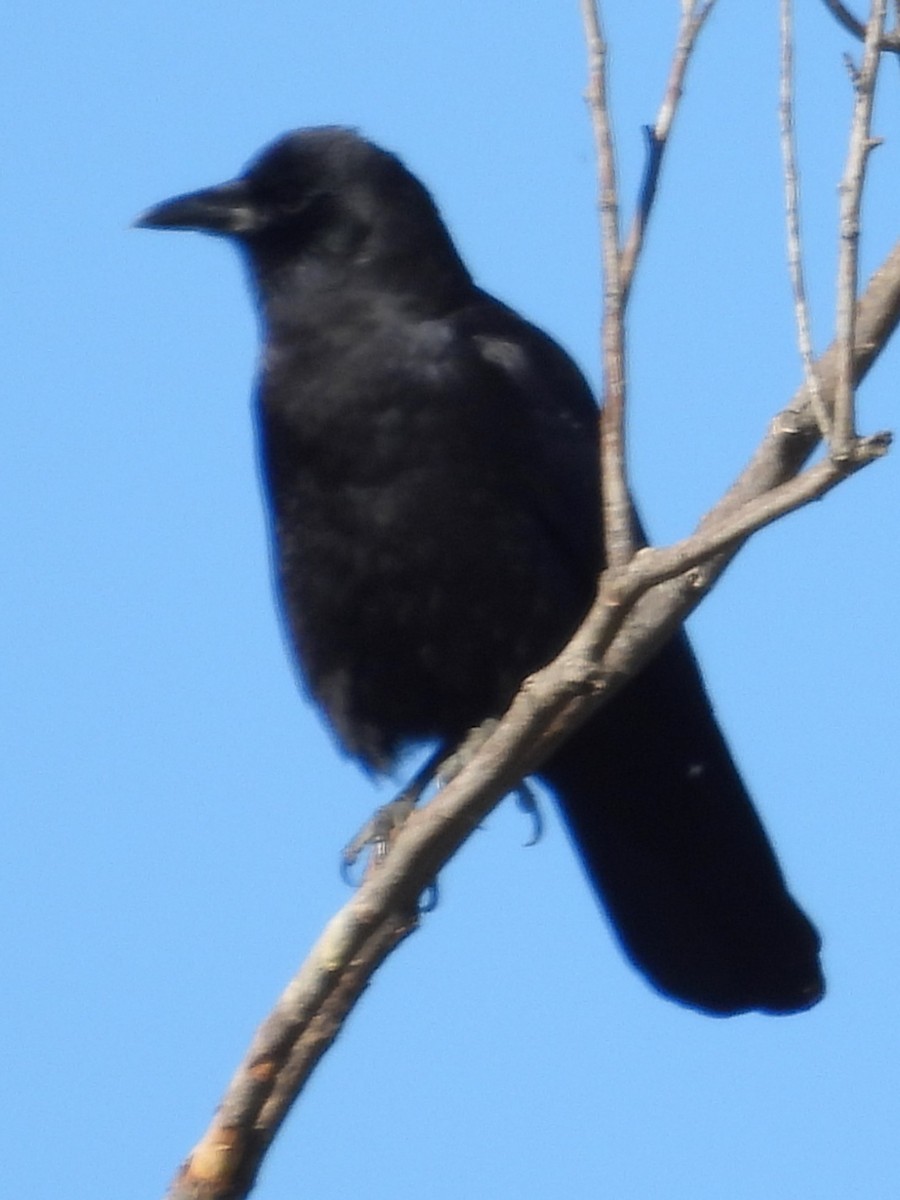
851,187
651,565
792,211
693,17
618,512
619,265
286,1049
792,437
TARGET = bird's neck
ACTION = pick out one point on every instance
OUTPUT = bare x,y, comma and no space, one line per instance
309,292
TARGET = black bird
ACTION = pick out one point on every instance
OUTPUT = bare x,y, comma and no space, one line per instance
431,465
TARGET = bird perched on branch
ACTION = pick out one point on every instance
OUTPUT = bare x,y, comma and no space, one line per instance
430,460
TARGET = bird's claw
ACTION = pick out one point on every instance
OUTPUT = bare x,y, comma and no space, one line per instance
378,832
528,803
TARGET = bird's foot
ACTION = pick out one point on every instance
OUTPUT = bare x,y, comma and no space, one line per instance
381,828
440,768
378,831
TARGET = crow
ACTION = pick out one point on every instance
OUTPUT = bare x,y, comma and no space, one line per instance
430,462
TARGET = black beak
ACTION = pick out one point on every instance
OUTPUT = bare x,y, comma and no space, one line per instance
227,210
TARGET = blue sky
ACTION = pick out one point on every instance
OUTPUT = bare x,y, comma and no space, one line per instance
175,809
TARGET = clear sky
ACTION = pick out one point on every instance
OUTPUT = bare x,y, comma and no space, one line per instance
174,809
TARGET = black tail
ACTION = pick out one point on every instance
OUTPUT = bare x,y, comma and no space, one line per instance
677,853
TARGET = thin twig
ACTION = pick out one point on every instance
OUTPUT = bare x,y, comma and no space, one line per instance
851,188
693,17
618,512
792,213
889,41
792,438
668,561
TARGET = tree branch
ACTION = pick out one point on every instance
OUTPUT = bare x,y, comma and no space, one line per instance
693,18
792,214
844,425
618,511
288,1045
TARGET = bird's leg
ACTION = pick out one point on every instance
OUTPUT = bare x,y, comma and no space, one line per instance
440,768
450,766
379,830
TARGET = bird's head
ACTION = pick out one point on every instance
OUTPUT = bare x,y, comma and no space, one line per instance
322,193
